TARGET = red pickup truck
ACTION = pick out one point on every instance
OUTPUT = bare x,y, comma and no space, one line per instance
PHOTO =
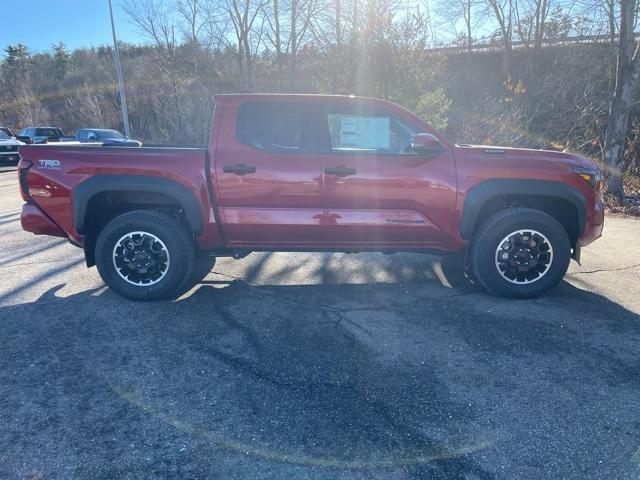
313,173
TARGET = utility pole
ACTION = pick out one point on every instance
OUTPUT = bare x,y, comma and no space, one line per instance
123,101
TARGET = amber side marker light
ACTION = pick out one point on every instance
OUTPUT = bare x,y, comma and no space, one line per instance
592,177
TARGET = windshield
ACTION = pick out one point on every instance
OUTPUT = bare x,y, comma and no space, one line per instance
103,134
3,136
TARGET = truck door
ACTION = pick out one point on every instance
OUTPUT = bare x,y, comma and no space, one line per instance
269,180
379,191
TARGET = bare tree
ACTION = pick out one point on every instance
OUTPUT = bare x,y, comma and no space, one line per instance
610,7
290,29
248,23
627,75
461,18
191,12
274,36
153,20
502,11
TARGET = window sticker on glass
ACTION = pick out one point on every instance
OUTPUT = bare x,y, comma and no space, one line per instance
359,133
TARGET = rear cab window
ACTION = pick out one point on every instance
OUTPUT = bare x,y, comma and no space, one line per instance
282,127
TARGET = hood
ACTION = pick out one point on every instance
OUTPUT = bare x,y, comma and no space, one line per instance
10,141
527,154
126,141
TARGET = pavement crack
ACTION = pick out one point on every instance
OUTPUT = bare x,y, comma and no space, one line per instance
628,267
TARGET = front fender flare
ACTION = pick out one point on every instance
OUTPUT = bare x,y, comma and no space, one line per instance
477,197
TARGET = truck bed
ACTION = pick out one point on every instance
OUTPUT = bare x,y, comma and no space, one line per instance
54,171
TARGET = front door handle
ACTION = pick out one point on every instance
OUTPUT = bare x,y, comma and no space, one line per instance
340,171
239,169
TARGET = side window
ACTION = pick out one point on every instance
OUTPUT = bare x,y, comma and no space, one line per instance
82,135
273,126
368,130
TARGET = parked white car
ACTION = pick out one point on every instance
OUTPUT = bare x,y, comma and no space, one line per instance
9,148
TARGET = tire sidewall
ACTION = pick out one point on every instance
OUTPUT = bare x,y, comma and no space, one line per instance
494,232
179,267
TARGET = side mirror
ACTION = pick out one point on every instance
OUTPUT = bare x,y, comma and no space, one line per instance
427,144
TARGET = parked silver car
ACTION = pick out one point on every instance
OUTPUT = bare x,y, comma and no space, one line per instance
9,148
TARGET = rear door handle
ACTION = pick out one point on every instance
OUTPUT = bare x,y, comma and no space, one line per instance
340,171
239,169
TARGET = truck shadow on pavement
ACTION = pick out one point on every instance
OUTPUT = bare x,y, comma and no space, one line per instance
239,380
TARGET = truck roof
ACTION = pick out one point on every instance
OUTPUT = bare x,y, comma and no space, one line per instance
236,98
99,129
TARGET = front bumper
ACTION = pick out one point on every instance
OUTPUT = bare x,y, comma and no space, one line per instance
595,223
9,157
591,234
35,221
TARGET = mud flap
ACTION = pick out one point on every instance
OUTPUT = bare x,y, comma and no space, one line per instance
576,254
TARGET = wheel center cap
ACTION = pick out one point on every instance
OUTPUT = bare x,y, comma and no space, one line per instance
523,259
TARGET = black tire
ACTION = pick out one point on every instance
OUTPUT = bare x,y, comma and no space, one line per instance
490,235
204,263
177,243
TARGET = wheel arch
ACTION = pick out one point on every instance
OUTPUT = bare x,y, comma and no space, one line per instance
99,198
563,202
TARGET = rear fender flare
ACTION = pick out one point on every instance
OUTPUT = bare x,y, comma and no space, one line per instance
85,191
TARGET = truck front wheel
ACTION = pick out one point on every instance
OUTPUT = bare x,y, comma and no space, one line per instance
520,253
144,255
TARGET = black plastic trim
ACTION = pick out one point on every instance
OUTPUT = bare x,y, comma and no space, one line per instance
85,191
488,189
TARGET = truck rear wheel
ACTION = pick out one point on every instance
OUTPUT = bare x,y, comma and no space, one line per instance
520,253
144,255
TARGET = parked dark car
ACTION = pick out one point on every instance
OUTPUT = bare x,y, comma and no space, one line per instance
42,134
106,137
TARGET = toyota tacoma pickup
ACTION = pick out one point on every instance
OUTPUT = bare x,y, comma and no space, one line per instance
313,173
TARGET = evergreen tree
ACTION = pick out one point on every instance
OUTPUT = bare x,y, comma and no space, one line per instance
61,60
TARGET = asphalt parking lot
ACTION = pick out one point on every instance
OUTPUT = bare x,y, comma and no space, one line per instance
317,366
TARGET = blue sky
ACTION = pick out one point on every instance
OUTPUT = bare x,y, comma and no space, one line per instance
78,23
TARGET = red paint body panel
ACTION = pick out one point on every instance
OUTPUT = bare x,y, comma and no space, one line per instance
255,207
474,166
394,202
363,211
34,220
77,163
